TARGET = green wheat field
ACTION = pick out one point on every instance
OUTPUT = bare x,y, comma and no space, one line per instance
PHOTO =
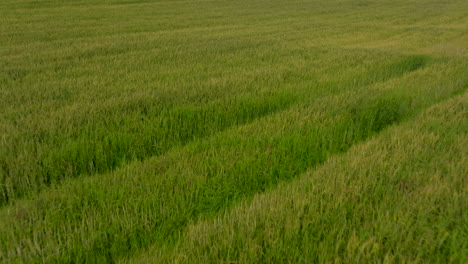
233,131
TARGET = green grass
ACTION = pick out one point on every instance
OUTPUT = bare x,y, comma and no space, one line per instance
217,131
396,198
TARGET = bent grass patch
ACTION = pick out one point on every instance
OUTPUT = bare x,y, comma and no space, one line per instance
245,131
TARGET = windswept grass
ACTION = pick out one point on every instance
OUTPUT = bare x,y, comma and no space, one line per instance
127,125
153,201
400,197
50,154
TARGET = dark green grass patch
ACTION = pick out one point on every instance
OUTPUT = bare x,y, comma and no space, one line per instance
124,122
102,149
355,208
142,204
146,129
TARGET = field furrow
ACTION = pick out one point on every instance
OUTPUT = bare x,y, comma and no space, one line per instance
85,141
153,201
364,206
251,131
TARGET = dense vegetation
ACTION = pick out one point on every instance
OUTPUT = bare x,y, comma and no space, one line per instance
233,131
